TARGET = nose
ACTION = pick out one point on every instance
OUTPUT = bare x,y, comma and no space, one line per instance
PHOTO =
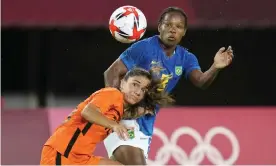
172,29
138,92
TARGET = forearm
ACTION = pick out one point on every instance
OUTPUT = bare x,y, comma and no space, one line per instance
93,115
114,74
208,77
111,79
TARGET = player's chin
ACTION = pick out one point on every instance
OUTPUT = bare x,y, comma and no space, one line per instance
171,43
131,101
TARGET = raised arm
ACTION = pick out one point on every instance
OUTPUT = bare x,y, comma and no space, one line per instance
92,114
98,111
204,79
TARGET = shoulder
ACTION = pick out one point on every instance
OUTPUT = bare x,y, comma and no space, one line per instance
183,50
109,93
148,40
186,53
107,97
144,43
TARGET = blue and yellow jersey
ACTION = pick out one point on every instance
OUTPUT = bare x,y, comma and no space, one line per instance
148,54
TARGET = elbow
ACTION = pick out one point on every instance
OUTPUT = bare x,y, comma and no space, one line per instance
89,113
85,113
201,85
106,77
106,74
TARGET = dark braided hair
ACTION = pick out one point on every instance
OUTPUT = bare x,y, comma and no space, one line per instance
173,9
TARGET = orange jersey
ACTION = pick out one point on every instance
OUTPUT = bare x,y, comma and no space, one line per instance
77,137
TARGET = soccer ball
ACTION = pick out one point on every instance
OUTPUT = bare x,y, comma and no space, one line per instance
127,24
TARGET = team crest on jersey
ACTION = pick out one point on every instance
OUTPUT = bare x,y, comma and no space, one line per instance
178,70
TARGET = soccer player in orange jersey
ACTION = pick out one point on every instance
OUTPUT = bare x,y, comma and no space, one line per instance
75,140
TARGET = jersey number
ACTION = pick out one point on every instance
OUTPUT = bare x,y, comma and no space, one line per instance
164,81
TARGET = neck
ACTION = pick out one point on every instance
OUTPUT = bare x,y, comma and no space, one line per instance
168,49
126,105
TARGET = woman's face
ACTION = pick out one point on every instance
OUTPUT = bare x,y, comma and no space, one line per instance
134,89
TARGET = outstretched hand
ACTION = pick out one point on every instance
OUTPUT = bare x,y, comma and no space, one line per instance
223,57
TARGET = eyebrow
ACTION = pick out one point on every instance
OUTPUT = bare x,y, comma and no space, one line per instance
168,21
137,81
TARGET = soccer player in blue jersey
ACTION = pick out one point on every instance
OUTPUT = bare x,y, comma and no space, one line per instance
163,54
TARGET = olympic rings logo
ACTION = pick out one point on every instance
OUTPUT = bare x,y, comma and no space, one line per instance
202,149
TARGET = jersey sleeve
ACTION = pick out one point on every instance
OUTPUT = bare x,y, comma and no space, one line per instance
134,55
109,103
190,64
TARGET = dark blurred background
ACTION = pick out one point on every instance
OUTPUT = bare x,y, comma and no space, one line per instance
70,63
56,51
